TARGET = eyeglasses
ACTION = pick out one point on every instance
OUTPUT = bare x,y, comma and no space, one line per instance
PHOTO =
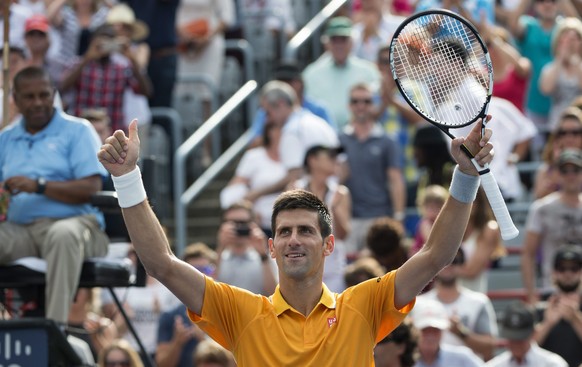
564,268
570,169
544,1
576,132
367,101
124,363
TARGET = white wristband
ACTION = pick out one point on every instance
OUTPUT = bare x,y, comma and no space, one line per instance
463,186
129,187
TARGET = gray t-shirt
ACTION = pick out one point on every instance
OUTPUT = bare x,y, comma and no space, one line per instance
369,162
557,224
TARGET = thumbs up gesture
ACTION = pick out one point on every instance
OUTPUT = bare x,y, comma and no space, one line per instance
119,153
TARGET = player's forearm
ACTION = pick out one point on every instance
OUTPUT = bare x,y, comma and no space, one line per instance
149,239
447,232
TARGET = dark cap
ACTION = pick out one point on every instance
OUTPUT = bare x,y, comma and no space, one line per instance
568,253
570,156
339,26
518,322
334,151
287,71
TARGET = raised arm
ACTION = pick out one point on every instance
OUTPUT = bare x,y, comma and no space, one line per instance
447,232
119,156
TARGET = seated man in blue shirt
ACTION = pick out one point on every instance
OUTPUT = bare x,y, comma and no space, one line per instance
48,164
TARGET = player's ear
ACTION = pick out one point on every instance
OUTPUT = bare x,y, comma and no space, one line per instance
328,245
271,248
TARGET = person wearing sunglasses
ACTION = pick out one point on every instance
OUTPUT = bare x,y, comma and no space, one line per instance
553,221
567,134
561,315
119,354
372,170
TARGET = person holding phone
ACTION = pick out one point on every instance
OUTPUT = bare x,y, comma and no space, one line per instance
243,259
99,78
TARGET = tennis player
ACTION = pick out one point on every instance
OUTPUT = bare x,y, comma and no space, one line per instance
302,323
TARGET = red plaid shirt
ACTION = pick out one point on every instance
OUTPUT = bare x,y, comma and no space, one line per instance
102,86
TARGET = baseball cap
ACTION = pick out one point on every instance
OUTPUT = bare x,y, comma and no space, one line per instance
37,22
568,253
571,156
333,151
339,26
518,322
430,313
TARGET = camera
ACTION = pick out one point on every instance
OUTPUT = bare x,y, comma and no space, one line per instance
242,229
110,46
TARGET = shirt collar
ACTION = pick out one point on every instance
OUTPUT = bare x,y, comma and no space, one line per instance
376,131
51,128
327,299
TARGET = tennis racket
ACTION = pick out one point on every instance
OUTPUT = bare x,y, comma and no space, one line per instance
442,68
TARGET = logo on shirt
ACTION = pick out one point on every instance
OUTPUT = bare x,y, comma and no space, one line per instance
331,321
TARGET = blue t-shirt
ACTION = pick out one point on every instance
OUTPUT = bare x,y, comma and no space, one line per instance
166,333
66,149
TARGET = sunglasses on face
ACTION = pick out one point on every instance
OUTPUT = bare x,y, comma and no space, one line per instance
565,268
546,1
561,133
367,101
569,169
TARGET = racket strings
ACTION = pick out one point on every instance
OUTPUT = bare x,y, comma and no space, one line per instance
441,68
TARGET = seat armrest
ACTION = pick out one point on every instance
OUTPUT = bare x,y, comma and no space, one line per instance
106,201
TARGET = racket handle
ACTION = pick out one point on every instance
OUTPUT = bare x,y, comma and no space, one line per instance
506,226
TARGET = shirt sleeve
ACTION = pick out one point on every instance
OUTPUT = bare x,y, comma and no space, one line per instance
486,323
374,299
226,311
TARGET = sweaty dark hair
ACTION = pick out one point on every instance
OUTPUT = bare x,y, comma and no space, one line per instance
30,73
301,199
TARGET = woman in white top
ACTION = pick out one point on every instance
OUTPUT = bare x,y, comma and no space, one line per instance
258,168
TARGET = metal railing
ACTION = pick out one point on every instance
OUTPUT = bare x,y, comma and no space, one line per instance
183,196
290,54
205,79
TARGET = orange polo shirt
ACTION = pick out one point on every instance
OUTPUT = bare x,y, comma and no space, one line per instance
342,329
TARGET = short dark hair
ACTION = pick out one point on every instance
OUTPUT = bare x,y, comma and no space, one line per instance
407,335
302,199
30,73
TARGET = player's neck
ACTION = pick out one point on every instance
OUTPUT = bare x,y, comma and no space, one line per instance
571,199
303,295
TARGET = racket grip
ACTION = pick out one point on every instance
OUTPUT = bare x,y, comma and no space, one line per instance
506,226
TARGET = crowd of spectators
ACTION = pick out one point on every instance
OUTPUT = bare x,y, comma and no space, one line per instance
335,126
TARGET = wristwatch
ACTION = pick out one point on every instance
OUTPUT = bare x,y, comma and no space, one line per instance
40,185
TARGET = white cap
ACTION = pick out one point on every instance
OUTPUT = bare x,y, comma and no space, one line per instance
429,313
